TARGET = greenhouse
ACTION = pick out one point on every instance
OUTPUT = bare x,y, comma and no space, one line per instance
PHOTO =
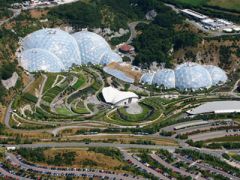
187,76
57,42
165,78
147,78
80,48
92,47
192,76
41,60
217,74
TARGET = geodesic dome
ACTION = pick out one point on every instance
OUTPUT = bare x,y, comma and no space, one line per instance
147,78
109,57
164,77
92,47
56,41
217,74
40,60
192,76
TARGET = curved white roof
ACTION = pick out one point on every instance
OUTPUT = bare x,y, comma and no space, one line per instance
217,107
40,60
56,41
113,96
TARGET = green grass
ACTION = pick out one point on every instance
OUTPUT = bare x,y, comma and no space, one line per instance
226,4
135,117
192,2
50,80
225,139
63,111
79,83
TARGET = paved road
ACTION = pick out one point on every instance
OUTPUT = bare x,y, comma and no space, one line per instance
128,156
8,175
16,12
80,144
169,166
207,167
79,172
132,27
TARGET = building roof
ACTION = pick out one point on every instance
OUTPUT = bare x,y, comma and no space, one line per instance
216,107
113,96
194,14
126,48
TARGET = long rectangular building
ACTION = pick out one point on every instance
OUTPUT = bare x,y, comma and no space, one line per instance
216,107
194,14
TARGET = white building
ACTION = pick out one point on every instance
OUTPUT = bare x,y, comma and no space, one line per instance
216,107
119,98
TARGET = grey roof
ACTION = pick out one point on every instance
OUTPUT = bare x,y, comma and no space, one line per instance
216,107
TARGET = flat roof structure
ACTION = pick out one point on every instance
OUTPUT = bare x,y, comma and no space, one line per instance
194,14
217,107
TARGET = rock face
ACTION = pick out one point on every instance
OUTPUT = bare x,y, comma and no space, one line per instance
11,82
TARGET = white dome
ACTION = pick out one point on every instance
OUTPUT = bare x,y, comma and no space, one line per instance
109,57
92,47
192,76
40,60
217,74
56,41
147,78
164,77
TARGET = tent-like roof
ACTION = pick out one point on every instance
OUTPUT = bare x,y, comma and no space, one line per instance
113,96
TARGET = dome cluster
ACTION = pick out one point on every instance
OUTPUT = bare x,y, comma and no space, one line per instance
187,76
54,50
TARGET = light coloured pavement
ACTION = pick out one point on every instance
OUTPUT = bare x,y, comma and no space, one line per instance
8,175
128,156
169,166
207,167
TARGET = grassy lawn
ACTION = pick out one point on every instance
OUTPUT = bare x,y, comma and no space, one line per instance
125,139
63,111
192,2
79,83
50,80
35,85
83,158
135,117
226,4
225,139
79,108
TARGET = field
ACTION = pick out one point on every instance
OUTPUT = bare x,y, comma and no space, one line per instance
226,4
81,157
